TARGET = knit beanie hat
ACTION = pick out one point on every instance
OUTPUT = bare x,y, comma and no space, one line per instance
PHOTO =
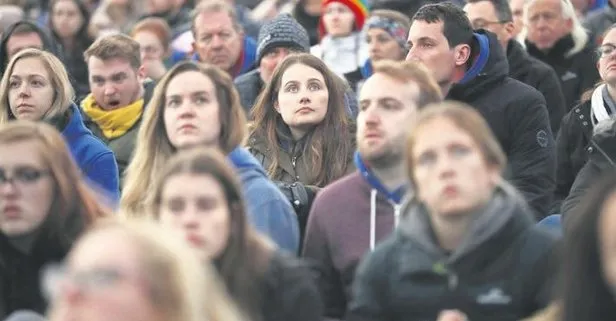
282,31
358,7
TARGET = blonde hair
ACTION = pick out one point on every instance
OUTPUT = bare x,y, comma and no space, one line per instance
153,148
180,286
63,90
465,118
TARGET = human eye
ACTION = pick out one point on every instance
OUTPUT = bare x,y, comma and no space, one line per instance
314,86
426,159
173,102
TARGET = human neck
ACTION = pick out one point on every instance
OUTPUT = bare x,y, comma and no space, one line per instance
450,232
297,133
68,42
392,177
25,242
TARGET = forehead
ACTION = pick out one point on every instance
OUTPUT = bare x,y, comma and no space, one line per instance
423,29
32,39
23,153
300,72
516,4
29,66
380,85
480,9
107,67
189,82
66,5
208,21
377,32
538,6
109,248
610,37
448,131
146,36
187,185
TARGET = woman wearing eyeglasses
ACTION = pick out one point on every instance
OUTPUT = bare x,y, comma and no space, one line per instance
587,134
135,271
44,206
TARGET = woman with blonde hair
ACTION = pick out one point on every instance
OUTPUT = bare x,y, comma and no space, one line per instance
198,105
35,86
44,206
199,195
137,271
466,241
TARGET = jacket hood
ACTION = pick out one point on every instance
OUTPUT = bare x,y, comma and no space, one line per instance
48,44
506,205
245,163
395,196
75,126
489,68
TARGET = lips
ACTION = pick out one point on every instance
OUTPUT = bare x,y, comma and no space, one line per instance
195,240
304,110
450,191
187,127
11,212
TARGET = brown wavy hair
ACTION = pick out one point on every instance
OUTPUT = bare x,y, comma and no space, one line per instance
332,139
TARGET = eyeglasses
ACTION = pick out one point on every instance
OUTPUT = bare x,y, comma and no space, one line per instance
23,175
482,24
56,275
606,50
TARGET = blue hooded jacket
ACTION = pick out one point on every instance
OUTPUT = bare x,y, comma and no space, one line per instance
94,158
268,209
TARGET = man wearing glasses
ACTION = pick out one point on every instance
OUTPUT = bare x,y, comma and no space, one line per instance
496,16
556,37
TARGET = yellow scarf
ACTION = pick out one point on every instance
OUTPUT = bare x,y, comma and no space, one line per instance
113,123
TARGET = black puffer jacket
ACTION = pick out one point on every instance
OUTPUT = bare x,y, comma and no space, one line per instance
601,159
503,269
540,76
572,149
577,73
518,117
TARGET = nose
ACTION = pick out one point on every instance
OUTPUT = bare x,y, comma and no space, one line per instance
187,111
371,117
109,89
411,55
70,292
445,167
8,189
217,41
190,219
24,90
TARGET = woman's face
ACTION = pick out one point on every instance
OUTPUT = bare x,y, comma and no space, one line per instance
101,281
338,19
26,188
191,111
607,240
31,93
302,97
196,206
381,45
451,173
150,46
66,19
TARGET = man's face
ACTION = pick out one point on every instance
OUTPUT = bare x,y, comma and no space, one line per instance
546,24
216,40
18,42
428,44
517,10
387,108
270,61
483,16
114,82
158,6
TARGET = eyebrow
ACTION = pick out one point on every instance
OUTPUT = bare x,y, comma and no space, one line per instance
420,40
27,76
194,93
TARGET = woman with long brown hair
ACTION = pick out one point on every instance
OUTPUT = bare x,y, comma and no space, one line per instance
44,206
301,133
199,195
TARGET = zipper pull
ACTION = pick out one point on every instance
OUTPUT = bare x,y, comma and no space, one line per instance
293,161
452,280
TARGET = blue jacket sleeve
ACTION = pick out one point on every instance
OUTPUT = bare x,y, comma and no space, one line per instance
276,218
103,172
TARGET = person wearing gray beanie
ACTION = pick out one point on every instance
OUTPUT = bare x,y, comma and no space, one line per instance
278,38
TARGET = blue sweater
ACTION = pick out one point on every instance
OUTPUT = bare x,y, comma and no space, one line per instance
268,209
94,158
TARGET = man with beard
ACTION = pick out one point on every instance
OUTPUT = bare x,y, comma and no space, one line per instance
351,215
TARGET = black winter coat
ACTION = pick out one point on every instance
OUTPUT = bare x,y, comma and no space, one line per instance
577,73
503,269
601,160
572,145
540,76
519,119
289,291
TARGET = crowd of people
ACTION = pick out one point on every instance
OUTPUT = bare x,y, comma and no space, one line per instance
360,160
